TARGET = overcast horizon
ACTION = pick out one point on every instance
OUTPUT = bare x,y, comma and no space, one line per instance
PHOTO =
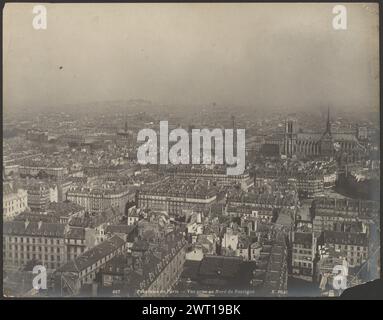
280,55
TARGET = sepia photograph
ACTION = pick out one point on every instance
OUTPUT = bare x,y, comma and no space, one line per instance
190,150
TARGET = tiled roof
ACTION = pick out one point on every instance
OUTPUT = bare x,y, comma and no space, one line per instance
119,228
21,228
88,258
64,208
220,266
76,233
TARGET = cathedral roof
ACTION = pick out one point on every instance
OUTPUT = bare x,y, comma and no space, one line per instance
335,136
344,137
308,136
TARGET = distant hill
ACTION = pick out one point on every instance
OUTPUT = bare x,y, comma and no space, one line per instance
83,108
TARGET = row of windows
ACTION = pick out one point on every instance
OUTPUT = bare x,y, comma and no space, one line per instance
354,261
48,265
75,241
33,240
32,248
358,254
303,264
357,248
30,256
335,218
74,254
15,202
347,209
13,207
302,251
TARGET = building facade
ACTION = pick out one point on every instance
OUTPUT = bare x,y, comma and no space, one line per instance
25,241
175,196
353,247
14,202
39,195
99,199
303,254
70,277
331,213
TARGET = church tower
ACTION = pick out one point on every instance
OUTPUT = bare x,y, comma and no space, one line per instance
290,138
326,142
328,124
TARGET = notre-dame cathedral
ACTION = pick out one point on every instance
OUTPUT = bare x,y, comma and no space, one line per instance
317,144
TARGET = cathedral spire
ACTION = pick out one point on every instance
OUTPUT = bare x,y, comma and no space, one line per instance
328,124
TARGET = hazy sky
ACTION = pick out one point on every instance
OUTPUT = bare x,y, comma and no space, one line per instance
252,54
